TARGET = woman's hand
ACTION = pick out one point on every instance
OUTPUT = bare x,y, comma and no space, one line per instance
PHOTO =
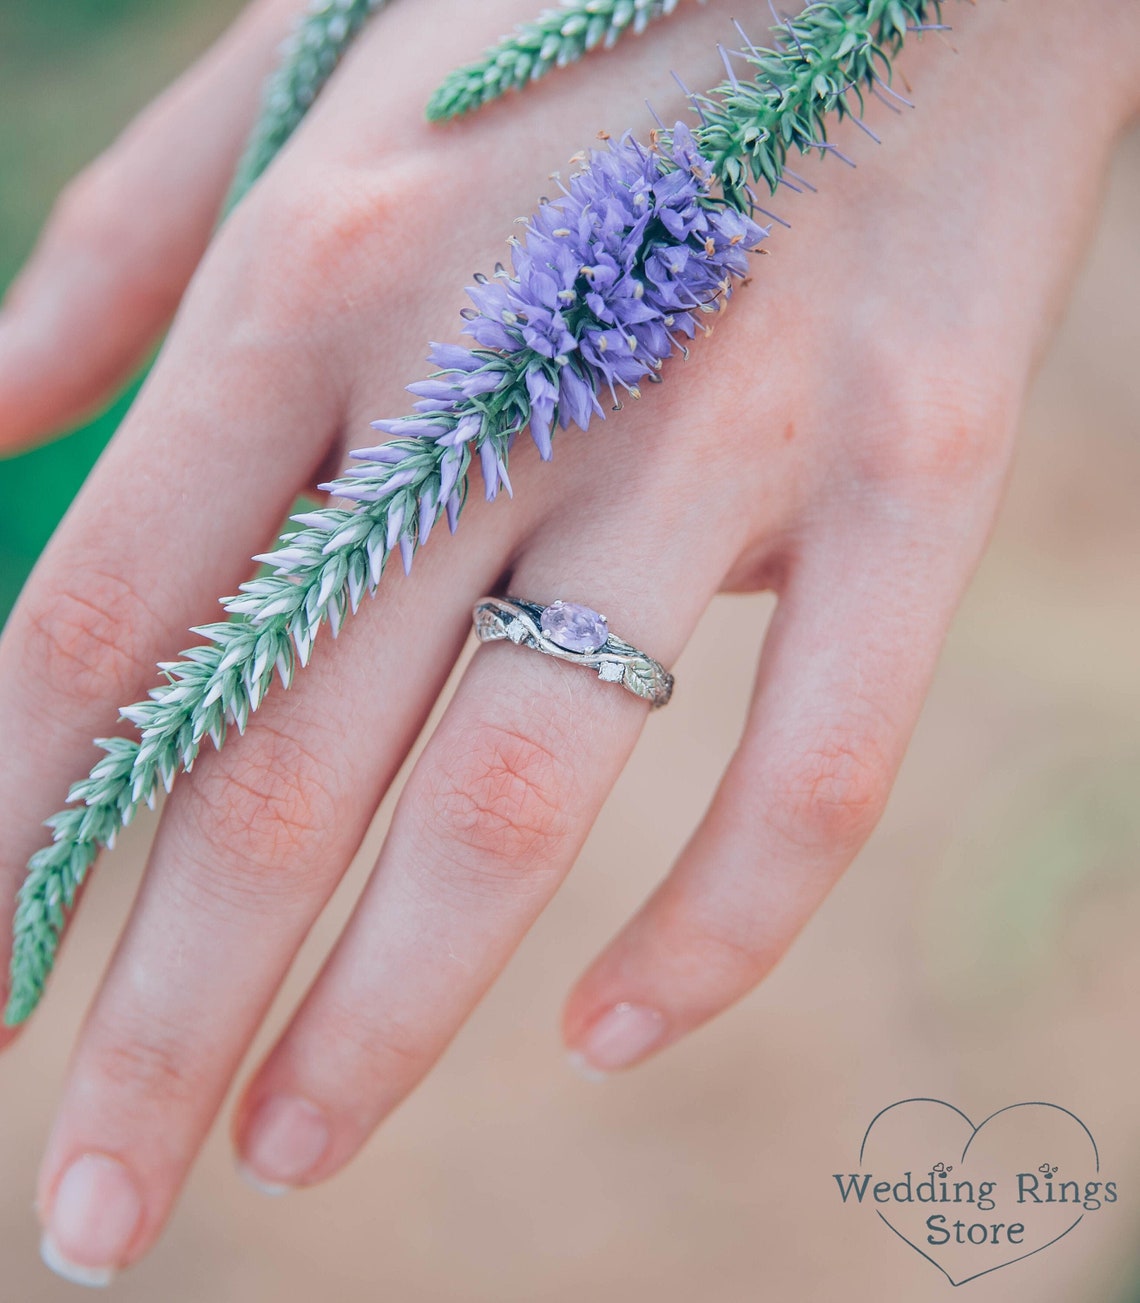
843,441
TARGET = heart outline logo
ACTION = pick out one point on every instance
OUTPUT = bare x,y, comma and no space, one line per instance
974,1132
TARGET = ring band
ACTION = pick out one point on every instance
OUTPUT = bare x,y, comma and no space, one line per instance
574,633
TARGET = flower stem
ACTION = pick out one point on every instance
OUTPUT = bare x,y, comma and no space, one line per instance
321,573
308,58
828,59
556,38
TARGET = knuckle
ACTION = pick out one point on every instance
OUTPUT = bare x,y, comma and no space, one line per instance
941,448
712,946
339,228
134,1064
723,951
369,1043
938,427
85,639
260,812
88,209
833,794
98,215
494,802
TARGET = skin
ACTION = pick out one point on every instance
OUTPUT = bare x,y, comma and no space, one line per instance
843,442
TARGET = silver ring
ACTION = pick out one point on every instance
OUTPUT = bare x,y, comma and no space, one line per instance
574,633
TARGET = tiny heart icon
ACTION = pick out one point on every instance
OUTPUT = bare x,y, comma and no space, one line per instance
970,1197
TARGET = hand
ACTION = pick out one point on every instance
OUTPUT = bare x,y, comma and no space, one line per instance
843,441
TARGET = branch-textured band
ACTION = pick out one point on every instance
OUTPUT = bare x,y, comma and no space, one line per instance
608,281
517,620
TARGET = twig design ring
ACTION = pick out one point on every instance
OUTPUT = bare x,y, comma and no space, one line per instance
575,633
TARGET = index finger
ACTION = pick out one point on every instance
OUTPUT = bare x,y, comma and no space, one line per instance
198,479
124,237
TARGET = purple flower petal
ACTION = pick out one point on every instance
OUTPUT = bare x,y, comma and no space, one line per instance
385,452
543,397
427,517
395,524
490,467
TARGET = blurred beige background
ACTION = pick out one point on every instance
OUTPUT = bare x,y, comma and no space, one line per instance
982,950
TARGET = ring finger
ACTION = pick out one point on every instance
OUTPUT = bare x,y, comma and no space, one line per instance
489,823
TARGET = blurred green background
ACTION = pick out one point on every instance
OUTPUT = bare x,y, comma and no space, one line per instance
72,74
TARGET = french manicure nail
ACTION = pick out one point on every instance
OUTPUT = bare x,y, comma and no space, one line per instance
93,1277
94,1215
285,1139
251,1178
578,1061
618,1039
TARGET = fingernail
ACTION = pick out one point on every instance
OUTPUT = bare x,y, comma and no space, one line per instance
93,1277
93,1218
251,1178
618,1039
581,1066
284,1141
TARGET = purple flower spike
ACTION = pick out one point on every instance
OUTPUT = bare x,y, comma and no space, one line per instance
609,280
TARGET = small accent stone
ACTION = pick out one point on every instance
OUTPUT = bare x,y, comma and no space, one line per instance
516,631
611,671
575,627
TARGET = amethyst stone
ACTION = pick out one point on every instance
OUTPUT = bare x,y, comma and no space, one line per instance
574,627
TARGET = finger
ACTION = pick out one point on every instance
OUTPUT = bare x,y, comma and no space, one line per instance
488,825
232,422
846,665
124,238
248,851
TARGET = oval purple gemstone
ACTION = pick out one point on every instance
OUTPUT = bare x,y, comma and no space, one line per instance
575,627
